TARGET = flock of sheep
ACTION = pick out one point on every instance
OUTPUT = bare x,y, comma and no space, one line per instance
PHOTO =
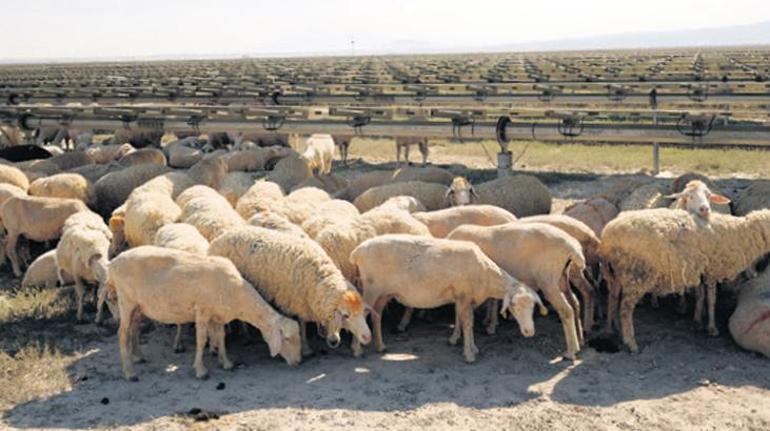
204,233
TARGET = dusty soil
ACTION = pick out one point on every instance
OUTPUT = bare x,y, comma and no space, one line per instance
681,379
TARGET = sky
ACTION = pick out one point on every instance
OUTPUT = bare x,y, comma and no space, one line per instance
88,29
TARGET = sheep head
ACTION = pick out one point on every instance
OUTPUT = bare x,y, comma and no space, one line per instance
696,198
284,339
350,314
461,192
520,300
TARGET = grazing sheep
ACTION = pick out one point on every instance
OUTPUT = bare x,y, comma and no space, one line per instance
276,222
181,236
432,195
595,213
113,189
405,143
103,154
142,156
441,222
403,203
340,238
328,213
750,322
83,253
256,159
208,211
301,204
147,282
541,256
755,197
584,281
364,182
13,176
427,272
331,183
145,214
664,251
296,275
235,185
262,196
73,186
319,153
427,174
43,272
35,218
290,171
522,195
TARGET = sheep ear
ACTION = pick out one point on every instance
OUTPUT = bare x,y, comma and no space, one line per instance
719,199
275,341
507,298
473,194
448,193
337,319
674,196
540,306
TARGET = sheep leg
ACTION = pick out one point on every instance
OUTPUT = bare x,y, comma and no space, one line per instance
493,307
575,304
306,349
398,155
101,299
465,311
455,337
711,297
201,336
379,305
178,344
10,251
698,314
630,298
124,334
217,337
406,154
613,297
424,151
136,352
356,347
567,316
405,319
80,293
681,306
587,295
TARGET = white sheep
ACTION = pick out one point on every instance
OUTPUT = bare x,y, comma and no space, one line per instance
432,195
103,154
297,276
208,211
147,212
426,272
540,256
65,185
43,272
262,196
147,282
441,222
276,222
328,213
319,152
403,203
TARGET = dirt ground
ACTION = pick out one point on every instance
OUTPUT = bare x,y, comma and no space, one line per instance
681,379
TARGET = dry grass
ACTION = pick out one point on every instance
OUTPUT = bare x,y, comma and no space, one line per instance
579,158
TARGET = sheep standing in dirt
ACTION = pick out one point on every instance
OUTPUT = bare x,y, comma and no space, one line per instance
66,185
427,273
595,213
147,282
319,152
299,277
208,211
343,143
37,219
83,253
664,251
43,272
540,256
441,222
340,239
432,195
405,143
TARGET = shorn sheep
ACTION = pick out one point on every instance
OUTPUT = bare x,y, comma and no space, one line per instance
66,185
664,251
441,222
540,256
152,281
43,272
319,152
296,275
595,213
426,272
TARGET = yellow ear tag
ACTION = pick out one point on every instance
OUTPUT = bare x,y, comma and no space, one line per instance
543,310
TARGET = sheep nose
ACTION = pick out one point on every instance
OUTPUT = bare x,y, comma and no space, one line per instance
366,338
705,210
528,332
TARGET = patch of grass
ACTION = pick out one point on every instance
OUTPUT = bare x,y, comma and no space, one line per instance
35,371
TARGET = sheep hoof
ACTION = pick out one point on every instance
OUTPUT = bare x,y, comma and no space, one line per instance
228,366
132,378
714,332
139,360
358,352
469,359
491,330
204,375
179,349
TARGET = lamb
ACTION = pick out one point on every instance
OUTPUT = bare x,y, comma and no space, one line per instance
441,222
664,251
290,171
142,156
277,222
427,174
433,196
145,214
583,281
319,152
146,280
407,142
522,195
339,239
256,159
103,154
113,189
328,213
427,272
235,185
83,253
314,290
67,185
595,213
37,219
209,212
540,256
13,176
43,272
